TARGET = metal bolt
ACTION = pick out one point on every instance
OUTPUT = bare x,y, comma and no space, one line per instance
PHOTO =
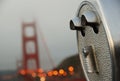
75,24
85,51
89,18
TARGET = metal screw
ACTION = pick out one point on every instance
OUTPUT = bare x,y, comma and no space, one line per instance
85,51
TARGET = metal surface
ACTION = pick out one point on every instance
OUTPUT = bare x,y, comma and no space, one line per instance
100,20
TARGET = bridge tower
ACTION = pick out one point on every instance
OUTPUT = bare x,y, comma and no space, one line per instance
30,46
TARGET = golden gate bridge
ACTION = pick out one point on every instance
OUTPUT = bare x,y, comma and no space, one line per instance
29,68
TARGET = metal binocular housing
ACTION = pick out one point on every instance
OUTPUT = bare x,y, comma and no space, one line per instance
98,36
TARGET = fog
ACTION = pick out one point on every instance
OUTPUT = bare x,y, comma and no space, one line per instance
52,19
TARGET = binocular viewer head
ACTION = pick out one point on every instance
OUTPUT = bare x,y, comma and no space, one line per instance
97,25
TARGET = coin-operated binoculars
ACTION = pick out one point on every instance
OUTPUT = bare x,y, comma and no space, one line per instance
97,24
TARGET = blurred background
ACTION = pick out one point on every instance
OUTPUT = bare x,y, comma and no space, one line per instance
56,44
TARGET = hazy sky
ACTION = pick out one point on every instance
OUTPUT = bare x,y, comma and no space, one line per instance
52,18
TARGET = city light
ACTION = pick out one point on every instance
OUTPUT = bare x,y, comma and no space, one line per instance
55,72
50,73
71,69
22,72
42,79
33,74
40,70
61,71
